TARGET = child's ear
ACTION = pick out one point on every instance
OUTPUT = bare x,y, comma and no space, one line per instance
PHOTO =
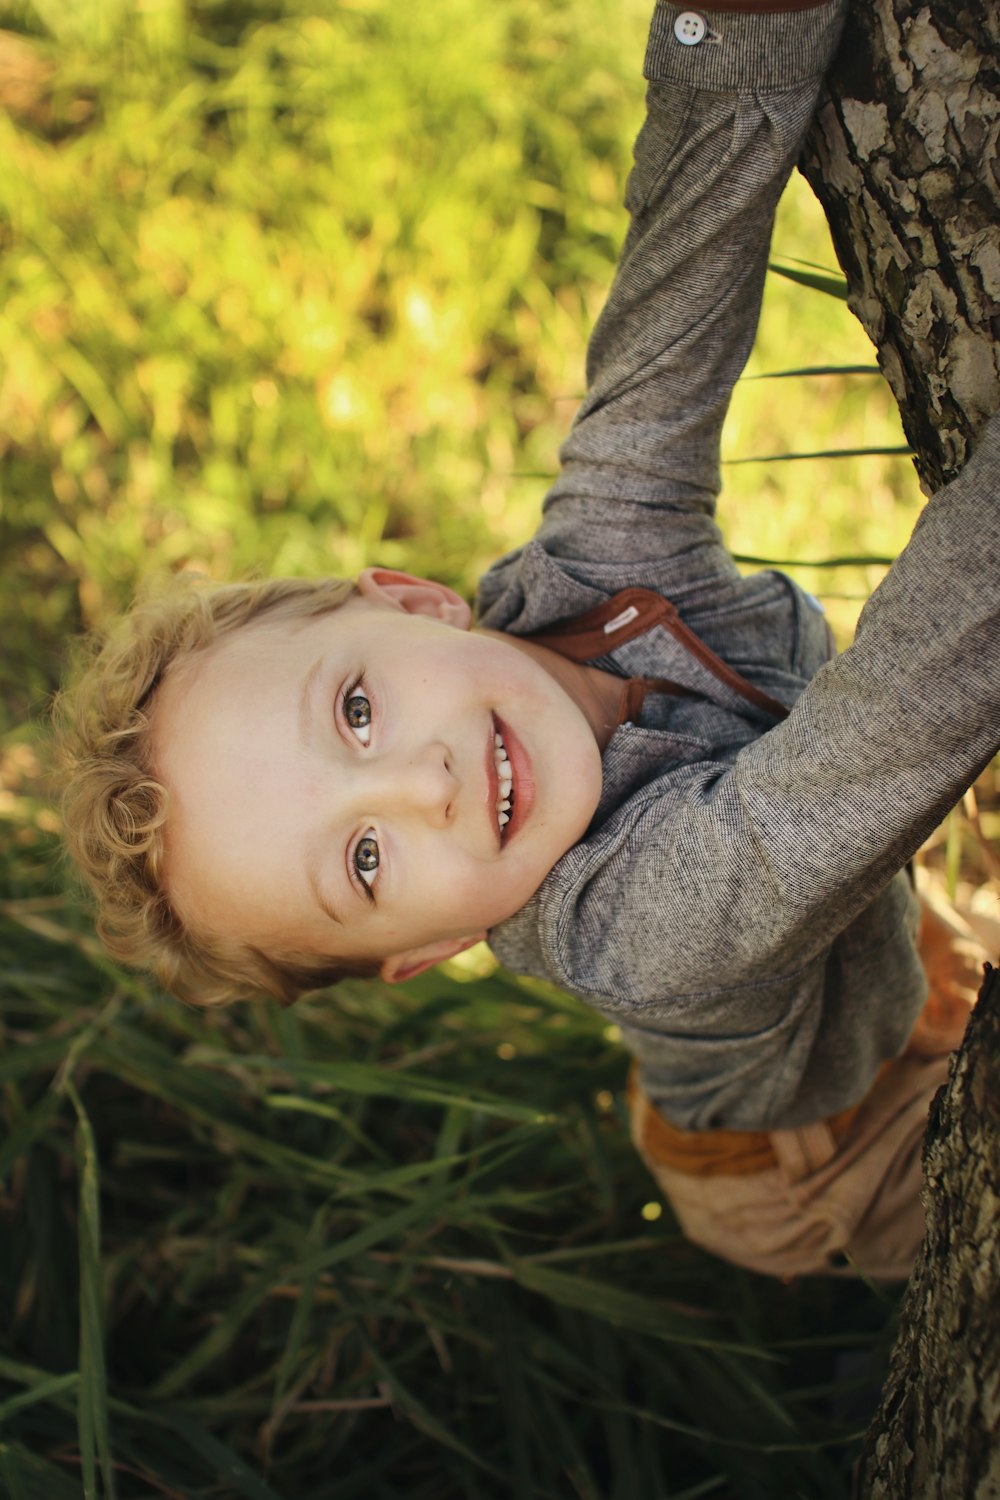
415,596
406,965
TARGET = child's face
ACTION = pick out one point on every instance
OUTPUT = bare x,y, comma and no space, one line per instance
334,785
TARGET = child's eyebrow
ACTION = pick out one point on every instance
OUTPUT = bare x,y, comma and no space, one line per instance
321,901
307,715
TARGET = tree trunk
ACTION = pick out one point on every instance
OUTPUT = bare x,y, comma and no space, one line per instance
937,1430
905,158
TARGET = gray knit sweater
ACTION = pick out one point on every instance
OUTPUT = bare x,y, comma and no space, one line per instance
736,904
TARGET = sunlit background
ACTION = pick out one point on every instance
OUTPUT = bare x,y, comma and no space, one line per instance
298,287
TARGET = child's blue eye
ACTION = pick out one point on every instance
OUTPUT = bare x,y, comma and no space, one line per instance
366,858
358,713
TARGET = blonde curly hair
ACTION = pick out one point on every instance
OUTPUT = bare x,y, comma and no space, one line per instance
114,808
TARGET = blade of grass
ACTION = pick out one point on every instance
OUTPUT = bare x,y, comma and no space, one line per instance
621,1308
29,1128
746,1445
815,562
818,280
26,1476
296,1104
416,1412
514,1378
95,1440
554,1433
904,450
227,1467
32,1058
373,1082
288,1363
808,370
56,1385
216,1343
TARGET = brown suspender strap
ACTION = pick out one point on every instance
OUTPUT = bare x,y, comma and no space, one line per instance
634,696
631,613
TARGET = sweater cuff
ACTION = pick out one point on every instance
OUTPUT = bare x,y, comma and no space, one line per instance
749,49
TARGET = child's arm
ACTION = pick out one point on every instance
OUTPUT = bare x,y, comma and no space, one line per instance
741,920
725,123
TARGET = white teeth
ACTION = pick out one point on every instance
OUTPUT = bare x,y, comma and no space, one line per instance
505,781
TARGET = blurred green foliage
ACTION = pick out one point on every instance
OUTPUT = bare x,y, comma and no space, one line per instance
297,286
295,290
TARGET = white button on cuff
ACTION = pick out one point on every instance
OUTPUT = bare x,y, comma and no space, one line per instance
690,28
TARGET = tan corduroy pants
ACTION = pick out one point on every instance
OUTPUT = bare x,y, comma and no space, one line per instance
840,1196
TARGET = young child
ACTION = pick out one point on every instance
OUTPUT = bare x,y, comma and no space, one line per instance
278,784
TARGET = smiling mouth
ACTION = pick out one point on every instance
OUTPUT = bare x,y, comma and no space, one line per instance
505,781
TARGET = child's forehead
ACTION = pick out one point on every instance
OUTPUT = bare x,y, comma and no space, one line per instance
245,679
289,638
276,636
276,650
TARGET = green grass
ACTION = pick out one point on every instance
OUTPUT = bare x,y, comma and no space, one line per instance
392,1245
303,286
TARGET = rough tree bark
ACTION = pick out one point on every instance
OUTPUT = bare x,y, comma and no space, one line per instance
937,1429
904,158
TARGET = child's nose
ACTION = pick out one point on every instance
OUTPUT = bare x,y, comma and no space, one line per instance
419,783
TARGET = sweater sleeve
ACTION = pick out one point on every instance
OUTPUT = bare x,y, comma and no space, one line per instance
730,98
720,884
740,918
